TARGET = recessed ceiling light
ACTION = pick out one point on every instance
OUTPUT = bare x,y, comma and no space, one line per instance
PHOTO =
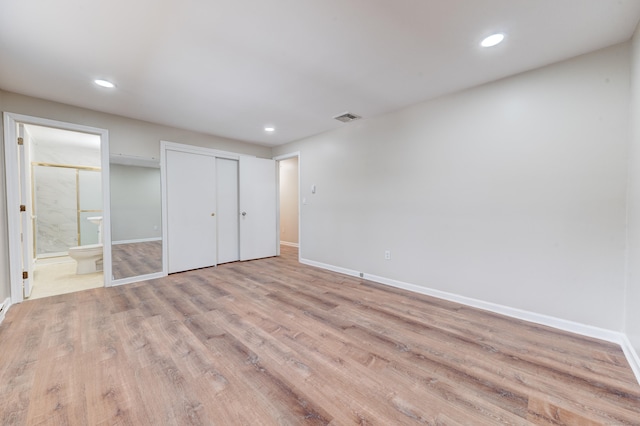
269,129
104,83
492,40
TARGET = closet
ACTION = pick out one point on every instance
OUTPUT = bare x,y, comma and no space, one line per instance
219,207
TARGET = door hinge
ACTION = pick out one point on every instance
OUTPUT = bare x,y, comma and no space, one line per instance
23,208
20,141
25,275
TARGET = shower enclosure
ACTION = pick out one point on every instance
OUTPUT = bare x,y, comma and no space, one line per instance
64,196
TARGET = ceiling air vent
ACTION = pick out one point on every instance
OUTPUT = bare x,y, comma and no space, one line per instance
347,117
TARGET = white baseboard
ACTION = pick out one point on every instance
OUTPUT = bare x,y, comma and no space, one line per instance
332,268
140,240
631,355
558,323
5,307
566,325
286,243
137,278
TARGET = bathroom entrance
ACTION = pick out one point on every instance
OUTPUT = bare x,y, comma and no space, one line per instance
67,210
61,196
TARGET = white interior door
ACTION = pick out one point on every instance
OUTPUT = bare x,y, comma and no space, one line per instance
191,208
258,213
227,214
26,216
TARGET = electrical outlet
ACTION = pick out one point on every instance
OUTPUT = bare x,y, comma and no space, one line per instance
387,255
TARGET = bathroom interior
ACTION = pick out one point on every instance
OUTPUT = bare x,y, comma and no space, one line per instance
67,219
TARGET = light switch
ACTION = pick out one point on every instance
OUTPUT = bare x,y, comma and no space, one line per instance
313,189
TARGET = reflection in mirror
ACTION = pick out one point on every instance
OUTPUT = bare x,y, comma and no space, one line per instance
136,216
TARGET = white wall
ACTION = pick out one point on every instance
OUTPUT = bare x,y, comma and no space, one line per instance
632,308
511,193
126,136
289,200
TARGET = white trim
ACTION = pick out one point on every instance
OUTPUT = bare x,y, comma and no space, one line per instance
173,146
13,219
13,198
139,240
287,156
561,324
632,356
137,278
134,160
163,203
286,243
558,323
332,268
4,308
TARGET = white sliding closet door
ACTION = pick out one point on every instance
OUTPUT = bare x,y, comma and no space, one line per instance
191,208
258,215
227,214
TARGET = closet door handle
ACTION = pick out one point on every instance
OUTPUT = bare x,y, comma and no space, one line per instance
244,213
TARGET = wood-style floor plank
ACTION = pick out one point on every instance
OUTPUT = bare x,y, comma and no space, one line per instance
274,342
134,259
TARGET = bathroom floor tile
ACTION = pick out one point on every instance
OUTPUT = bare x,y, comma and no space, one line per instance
53,277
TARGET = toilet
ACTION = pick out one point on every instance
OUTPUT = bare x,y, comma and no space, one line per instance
89,257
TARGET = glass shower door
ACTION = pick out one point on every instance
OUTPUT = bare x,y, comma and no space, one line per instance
89,205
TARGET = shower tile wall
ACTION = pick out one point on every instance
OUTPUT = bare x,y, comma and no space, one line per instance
56,209
55,195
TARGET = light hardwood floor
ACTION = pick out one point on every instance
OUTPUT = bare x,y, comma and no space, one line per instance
273,342
133,259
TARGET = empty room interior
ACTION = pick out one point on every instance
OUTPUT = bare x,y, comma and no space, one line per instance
321,212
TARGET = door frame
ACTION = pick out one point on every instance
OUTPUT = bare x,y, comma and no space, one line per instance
173,146
12,174
278,159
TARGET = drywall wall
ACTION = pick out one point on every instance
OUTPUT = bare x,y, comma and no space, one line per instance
126,136
289,200
632,308
511,193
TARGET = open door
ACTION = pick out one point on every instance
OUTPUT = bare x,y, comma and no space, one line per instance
258,211
26,210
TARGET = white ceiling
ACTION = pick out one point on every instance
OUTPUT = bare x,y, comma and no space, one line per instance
231,67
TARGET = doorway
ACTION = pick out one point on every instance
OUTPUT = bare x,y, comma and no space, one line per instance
289,200
66,205
58,174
